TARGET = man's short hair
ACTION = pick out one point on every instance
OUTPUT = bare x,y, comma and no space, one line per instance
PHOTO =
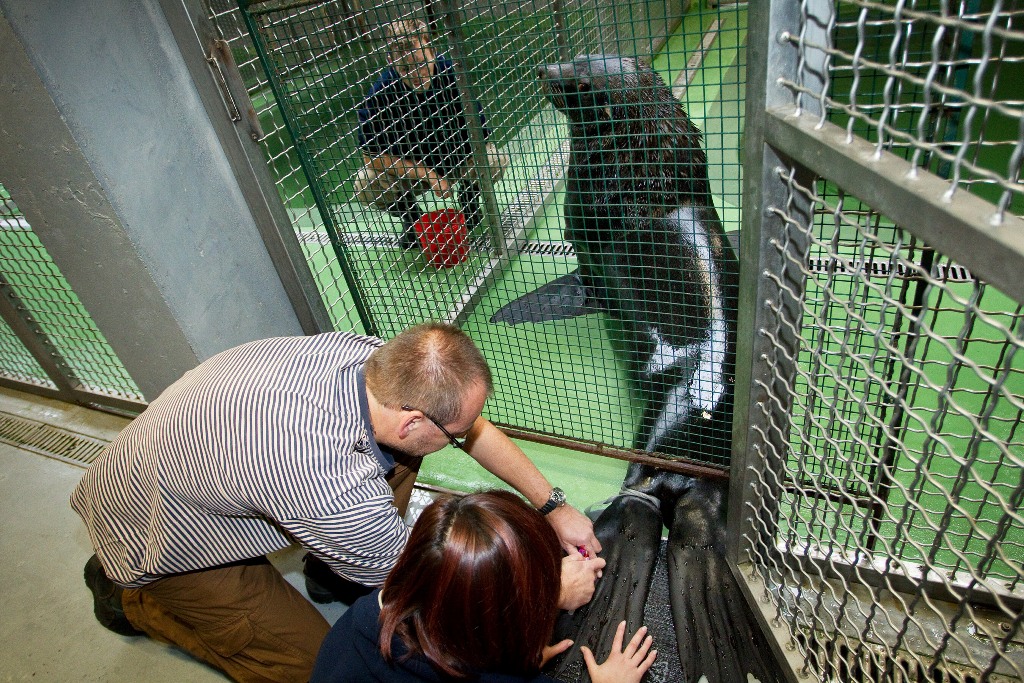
431,367
404,28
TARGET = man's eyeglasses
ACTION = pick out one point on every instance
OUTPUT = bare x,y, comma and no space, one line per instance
461,445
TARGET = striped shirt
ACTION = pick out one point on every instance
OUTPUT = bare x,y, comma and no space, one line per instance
258,447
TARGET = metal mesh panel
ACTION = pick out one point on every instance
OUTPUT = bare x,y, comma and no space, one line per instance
905,453
322,58
285,166
936,82
885,534
18,364
45,301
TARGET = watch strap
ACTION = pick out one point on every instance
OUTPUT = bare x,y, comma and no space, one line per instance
556,499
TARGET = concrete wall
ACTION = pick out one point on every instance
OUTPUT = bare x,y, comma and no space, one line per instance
108,149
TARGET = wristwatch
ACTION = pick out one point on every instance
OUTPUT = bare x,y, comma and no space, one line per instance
555,500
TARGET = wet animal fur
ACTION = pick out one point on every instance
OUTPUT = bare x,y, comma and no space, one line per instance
652,254
650,246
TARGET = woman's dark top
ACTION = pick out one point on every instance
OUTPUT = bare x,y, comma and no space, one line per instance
351,653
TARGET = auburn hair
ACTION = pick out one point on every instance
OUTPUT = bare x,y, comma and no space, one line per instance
431,367
476,588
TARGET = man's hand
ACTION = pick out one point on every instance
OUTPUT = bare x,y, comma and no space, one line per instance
579,579
441,187
411,170
574,529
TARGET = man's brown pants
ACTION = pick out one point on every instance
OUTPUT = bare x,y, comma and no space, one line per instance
244,619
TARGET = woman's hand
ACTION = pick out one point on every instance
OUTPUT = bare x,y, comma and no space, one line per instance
553,651
622,666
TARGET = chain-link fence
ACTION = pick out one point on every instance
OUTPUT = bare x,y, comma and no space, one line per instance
881,502
368,230
48,341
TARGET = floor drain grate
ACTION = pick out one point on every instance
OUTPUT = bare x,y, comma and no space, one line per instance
44,439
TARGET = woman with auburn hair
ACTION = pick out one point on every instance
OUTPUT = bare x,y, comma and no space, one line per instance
474,596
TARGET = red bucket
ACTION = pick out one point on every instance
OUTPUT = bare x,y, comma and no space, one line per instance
443,237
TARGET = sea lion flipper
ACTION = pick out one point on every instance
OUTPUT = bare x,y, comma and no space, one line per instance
564,297
716,633
630,533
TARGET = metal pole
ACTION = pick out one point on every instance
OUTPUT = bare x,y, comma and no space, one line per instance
767,319
453,24
561,34
760,427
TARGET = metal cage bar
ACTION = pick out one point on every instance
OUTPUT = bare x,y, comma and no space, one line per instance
875,514
53,347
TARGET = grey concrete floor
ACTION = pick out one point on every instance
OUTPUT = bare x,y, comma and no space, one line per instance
47,629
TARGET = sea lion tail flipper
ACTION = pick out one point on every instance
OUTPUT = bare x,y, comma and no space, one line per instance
564,297
630,533
716,633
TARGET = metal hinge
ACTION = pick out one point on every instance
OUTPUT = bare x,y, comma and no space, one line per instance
232,88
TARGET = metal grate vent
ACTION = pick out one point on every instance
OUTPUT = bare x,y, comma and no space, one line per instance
50,441
379,241
943,272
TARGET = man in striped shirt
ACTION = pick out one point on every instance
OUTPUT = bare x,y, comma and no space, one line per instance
292,439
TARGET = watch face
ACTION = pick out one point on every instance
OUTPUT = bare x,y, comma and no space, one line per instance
555,500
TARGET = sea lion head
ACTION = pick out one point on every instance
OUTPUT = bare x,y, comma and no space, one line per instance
598,87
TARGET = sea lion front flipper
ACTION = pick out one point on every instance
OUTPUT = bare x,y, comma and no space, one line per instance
564,297
716,633
630,533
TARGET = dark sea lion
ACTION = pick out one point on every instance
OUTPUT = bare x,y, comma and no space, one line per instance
650,246
652,254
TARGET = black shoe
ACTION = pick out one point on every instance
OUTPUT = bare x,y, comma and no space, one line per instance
470,200
407,210
106,596
409,239
324,586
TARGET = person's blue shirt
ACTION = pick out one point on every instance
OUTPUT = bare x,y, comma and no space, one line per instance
426,126
351,654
